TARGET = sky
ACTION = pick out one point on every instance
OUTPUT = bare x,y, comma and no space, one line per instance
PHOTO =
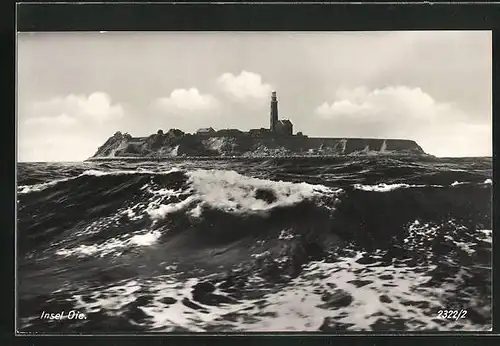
76,89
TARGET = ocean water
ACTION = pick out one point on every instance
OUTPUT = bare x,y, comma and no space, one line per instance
306,244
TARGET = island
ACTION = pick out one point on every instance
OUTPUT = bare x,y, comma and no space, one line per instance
276,141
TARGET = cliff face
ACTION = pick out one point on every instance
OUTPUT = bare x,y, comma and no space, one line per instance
175,143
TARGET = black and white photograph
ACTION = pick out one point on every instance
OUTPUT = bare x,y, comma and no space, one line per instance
265,181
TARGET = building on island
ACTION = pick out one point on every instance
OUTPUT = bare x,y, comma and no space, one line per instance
205,131
276,126
274,112
259,132
285,127
229,132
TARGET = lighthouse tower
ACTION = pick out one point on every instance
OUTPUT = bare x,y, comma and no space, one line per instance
274,112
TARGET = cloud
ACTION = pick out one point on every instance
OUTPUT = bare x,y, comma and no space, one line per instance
73,108
62,119
187,99
386,102
244,86
443,129
57,147
343,107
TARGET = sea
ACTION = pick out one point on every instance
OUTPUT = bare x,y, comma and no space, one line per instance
338,244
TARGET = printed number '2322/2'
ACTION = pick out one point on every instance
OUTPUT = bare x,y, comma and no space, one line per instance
452,314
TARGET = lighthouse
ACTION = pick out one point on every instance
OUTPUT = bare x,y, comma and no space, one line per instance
274,113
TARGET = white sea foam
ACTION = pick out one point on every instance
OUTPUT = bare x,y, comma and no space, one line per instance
24,189
286,235
232,192
108,247
382,187
390,292
159,212
196,211
457,183
98,173
421,234
145,239
113,246
125,291
485,235
261,255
